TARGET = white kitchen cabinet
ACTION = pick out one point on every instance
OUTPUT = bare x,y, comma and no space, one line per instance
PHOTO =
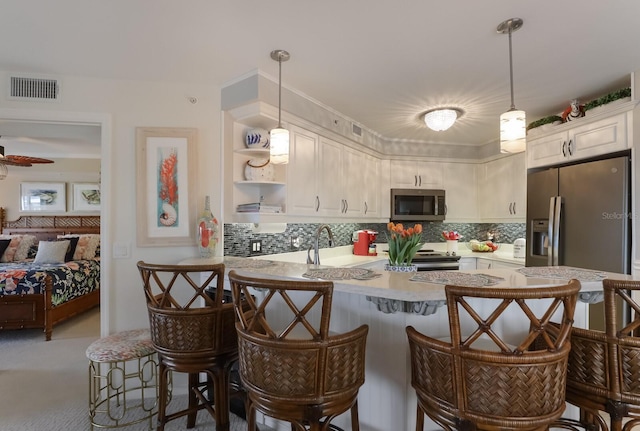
416,174
303,172
495,264
461,197
355,182
502,190
348,181
372,188
580,139
329,179
467,263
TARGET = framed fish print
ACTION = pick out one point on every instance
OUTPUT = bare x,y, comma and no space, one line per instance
86,196
166,173
43,197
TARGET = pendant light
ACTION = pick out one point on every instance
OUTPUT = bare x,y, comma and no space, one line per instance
279,137
513,129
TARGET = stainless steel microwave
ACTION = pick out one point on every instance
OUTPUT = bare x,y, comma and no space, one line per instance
417,205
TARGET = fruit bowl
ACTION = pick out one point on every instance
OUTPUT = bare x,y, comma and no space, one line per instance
482,246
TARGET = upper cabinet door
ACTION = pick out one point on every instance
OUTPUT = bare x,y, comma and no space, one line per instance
416,174
502,190
373,190
331,182
460,181
355,181
303,172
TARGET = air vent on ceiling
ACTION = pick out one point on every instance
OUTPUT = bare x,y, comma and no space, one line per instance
31,88
356,130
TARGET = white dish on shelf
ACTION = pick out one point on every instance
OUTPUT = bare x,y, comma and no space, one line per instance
259,170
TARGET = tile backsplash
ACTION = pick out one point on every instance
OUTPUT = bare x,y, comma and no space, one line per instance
239,236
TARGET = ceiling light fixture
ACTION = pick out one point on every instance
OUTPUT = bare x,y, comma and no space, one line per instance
441,119
513,131
279,137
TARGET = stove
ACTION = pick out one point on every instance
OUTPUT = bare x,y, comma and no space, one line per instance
431,260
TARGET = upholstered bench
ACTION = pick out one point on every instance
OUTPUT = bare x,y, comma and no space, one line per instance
122,380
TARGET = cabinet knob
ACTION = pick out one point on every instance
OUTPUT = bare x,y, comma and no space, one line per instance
570,147
564,148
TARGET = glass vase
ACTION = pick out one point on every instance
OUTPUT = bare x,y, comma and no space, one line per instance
400,268
452,247
207,231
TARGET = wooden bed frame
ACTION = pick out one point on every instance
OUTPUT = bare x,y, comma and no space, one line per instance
36,311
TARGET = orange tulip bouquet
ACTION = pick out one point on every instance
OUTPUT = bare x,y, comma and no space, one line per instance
403,243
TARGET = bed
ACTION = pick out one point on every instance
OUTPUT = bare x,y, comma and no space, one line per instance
36,295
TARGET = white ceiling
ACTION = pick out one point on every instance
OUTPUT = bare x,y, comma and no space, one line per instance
380,62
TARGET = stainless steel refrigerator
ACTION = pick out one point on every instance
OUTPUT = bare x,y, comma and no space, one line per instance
579,215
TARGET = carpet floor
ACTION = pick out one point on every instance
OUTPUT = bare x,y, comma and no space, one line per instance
44,385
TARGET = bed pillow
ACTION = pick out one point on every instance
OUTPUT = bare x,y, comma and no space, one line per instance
86,247
4,244
18,248
52,251
71,250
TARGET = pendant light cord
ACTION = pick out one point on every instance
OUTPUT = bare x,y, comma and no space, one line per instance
513,105
280,90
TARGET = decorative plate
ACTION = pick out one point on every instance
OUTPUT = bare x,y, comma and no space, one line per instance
259,170
257,139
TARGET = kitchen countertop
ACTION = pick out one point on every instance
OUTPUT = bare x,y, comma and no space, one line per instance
344,257
392,285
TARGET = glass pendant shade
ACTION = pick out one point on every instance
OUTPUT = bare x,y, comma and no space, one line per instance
513,131
279,137
279,146
440,119
513,127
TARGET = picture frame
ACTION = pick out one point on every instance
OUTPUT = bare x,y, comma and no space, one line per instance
85,197
166,172
43,197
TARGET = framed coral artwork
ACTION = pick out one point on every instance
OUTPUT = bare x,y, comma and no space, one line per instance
166,173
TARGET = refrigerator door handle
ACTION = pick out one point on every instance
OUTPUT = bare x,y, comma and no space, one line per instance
551,231
556,230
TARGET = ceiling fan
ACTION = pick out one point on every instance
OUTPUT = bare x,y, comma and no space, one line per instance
14,160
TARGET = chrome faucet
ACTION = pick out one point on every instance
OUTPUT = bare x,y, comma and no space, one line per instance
316,256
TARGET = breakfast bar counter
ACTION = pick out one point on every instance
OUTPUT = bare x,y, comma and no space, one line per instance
389,302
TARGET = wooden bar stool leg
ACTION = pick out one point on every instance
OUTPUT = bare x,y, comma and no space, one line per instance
194,380
419,419
355,421
162,396
221,391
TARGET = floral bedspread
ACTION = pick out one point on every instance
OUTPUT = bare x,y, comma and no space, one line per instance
70,279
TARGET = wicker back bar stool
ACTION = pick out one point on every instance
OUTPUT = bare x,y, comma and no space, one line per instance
292,368
193,332
604,367
487,378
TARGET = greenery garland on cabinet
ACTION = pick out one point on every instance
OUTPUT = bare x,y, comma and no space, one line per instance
608,98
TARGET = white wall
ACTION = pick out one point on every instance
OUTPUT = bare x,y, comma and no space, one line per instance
125,105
